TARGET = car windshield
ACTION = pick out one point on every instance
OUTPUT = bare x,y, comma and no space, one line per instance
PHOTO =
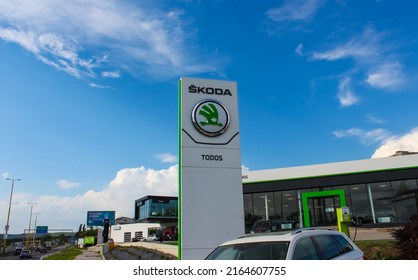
251,251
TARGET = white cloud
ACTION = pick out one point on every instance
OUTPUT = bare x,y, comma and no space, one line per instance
74,37
108,74
65,184
387,76
94,85
299,50
366,46
373,119
389,144
168,158
69,212
366,137
295,10
374,58
345,94
407,142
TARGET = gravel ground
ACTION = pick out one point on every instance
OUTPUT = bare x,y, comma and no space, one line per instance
136,253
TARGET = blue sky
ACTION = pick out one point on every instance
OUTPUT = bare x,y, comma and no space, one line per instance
89,92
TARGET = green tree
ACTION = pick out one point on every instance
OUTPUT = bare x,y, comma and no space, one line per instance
46,237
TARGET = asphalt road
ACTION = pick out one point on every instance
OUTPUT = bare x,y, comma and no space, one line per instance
35,255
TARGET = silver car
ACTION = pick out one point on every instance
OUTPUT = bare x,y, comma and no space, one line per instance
301,244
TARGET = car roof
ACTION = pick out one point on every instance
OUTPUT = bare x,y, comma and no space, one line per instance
284,236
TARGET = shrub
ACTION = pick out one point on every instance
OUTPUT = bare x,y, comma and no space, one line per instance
406,238
379,249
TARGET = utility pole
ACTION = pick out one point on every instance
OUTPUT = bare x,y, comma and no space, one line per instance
34,228
6,228
30,223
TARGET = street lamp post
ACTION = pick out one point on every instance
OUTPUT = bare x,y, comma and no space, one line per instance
34,228
6,228
30,222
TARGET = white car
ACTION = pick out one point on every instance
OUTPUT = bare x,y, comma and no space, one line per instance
152,237
301,244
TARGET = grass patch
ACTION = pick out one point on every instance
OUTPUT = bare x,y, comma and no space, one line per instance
69,253
174,243
379,249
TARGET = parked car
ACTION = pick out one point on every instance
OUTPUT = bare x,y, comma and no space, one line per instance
26,254
272,225
43,250
382,215
301,244
152,237
263,226
18,250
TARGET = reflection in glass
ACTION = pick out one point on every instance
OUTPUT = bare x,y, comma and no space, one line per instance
383,210
248,212
405,199
361,210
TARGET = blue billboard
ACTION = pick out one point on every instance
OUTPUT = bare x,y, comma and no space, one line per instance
41,229
96,218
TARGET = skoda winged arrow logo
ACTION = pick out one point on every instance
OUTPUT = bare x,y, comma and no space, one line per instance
211,114
210,117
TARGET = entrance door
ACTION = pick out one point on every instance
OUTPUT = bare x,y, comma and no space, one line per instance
320,207
322,210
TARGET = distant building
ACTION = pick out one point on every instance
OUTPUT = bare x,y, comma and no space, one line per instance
124,220
403,153
126,232
157,209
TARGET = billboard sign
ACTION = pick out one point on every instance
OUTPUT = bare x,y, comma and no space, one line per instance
42,229
96,218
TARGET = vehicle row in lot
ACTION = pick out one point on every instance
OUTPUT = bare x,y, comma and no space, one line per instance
300,244
151,237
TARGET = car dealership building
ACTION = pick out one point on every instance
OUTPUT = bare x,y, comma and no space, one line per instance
378,192
381,192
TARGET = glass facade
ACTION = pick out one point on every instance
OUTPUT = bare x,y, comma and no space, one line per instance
386,202
156,208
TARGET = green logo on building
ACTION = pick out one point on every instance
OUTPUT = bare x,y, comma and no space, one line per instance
211,114
210,117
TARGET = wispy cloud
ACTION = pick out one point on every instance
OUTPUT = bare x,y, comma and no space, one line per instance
387,76
299,50
114,74
167,158
373,119
65,184
94,85
84,40
376,63
345,94
295,10
366,137
364,46
388,143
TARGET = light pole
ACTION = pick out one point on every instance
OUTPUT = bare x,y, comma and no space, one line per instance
34,228
30,222
6,228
